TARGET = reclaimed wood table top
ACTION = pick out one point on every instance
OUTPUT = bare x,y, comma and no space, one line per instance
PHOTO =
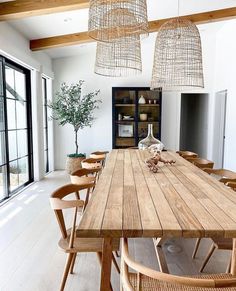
179,200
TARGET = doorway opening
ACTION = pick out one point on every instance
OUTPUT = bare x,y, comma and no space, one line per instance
194,123
219,128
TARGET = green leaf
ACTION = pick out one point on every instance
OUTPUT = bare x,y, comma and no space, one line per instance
70,107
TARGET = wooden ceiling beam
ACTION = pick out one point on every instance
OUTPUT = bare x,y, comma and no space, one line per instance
83,37
27,8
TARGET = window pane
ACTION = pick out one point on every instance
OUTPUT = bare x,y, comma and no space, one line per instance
23,170
21,114
12,145
11,114
2,148
22,143
20,85
3,182
45,139
2,121
10,84
14,177
1,80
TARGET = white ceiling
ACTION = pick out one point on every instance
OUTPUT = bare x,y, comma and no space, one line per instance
76,21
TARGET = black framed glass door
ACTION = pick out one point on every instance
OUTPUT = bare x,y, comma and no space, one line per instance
45,124
16,157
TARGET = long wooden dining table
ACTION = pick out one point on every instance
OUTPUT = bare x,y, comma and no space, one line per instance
179,200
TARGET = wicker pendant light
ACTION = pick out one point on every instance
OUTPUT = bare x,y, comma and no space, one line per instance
178,57
119,59
111,19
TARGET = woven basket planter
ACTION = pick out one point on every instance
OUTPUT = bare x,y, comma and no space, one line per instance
73,164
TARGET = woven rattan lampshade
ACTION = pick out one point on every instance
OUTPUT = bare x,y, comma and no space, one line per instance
119,59
178,57
111,19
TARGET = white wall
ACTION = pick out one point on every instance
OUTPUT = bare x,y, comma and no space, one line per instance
72,69
225,78
99,137
15,46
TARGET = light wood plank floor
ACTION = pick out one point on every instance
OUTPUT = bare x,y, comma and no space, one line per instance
30,259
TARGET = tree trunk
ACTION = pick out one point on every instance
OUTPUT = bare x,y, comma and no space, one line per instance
76,142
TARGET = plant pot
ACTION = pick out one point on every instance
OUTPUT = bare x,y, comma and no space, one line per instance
73,164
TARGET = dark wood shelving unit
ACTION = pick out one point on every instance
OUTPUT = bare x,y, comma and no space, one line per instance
127,133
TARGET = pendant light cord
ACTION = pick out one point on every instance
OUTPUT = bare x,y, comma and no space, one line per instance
178,8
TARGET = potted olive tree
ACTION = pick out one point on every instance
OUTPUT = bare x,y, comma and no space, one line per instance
70,107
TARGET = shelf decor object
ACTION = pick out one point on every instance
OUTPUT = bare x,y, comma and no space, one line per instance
141,100
178,57
150,140
119,59
126,130
113,19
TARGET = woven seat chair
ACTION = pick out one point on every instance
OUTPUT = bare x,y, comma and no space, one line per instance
201,163
224,176
85,176
70,243
147,279
187,154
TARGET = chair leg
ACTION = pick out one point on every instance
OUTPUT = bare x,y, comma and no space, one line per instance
73,263
229,266
66,270
196,247
99,255
158,243
86,199
115,264
213,247
117,254
77,195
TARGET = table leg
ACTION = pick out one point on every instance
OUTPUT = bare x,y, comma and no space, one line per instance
233,260
106,264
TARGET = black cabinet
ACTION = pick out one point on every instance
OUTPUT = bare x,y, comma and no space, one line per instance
133,108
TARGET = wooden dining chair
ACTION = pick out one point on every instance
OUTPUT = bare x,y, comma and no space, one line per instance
92,163
201,163
100,155
147,279
232,185
70,243
187,154
85,176
220,244
224,176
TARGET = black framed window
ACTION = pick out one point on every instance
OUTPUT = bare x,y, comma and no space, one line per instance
16,156
45,124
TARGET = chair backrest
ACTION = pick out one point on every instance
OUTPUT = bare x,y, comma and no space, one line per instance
201,163
84,176
58,203
186,154
98,154
225,175
127,261
92,163
232,185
